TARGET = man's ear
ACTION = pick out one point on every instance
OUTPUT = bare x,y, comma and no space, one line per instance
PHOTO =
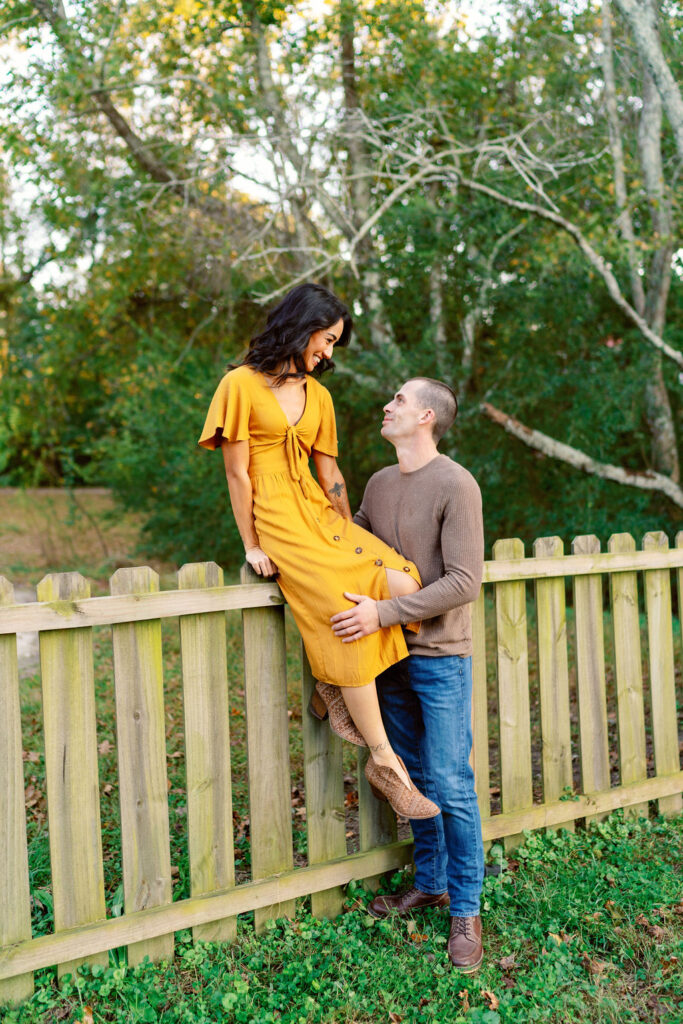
427,416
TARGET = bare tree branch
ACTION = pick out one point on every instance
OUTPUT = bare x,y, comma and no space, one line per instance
647,481
641,18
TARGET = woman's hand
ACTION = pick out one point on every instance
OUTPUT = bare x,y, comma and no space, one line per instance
260,562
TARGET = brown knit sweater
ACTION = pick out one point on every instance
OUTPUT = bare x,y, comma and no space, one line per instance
433,517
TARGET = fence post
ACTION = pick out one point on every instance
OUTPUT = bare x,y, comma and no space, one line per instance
73,800
15,897
629,671
324,786
141,750
480,711
590,675
207,750
270,794
662,679
513,688
553,678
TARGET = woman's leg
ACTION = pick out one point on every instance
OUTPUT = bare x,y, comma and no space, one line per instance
362,700
363,707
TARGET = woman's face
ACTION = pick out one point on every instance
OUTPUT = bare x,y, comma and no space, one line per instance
321,345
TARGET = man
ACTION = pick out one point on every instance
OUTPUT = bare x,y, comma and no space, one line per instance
429,508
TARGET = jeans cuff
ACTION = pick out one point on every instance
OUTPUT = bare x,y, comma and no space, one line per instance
464,913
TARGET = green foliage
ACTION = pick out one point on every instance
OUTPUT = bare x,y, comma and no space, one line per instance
582,926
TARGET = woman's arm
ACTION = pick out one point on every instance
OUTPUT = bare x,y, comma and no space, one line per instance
332,482
236,459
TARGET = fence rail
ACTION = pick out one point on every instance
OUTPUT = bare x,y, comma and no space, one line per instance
506,744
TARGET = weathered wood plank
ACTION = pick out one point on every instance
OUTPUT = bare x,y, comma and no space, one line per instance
513,688
376,819
590,675
149,924
73,804
662,678
141,750
104,611
207,750
553,672
480,732
628,670
324,785
573,565
146,924
270,796
15,897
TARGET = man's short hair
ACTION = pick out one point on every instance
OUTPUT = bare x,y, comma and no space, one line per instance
435,395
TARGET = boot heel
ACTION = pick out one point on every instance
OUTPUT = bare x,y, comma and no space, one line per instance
316,707
378,794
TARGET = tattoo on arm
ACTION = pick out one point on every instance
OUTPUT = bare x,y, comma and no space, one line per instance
337,490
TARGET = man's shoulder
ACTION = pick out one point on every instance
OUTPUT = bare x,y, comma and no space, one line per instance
454,472
384,477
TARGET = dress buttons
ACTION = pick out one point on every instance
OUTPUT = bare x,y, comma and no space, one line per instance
359,551
336,537
378,561
406,568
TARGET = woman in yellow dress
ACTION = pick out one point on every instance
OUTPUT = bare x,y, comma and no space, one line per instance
269,416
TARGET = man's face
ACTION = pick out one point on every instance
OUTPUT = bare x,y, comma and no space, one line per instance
402,413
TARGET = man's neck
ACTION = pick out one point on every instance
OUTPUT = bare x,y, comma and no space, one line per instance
414,453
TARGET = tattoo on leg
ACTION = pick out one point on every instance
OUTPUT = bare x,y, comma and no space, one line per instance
337,490
380,746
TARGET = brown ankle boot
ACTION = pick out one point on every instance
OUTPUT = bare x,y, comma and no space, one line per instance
386,785
465,950
340,719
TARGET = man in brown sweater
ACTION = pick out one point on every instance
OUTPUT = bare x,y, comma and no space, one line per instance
429,508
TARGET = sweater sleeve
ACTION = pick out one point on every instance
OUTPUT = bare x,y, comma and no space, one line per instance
462,549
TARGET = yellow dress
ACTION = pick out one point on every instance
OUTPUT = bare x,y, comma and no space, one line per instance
319,554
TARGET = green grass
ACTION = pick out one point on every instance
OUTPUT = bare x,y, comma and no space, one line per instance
578,927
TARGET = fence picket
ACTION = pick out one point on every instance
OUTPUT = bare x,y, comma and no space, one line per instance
553,678
376,819
662,679
73,803
324,785
629,670
15,897
590,675
270,796
480,730
513,688
141,751
207,749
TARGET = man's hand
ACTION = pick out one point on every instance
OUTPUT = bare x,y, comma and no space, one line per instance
356,622
260,562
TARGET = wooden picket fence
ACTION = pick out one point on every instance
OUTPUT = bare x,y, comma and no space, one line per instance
65,615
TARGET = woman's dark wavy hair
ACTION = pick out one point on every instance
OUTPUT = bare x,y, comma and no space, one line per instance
307,308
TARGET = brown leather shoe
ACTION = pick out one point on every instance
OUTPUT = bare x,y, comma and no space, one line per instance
465,950
405,902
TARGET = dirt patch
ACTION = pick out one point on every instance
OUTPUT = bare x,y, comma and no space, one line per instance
46,529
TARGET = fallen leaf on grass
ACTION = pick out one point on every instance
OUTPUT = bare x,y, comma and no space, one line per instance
417,937
492,999
654,930
104,747
464,998
351,798
593,966
87,1017
32,756
395,1018
506,962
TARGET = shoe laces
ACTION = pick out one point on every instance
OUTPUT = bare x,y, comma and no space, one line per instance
464,926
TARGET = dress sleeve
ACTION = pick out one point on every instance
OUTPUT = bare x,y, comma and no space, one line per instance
326,438
228,415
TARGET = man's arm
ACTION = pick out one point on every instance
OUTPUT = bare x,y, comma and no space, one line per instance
462,546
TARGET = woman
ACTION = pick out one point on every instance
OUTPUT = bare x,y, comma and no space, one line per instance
269,415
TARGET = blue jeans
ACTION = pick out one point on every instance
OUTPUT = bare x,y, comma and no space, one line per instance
426,707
